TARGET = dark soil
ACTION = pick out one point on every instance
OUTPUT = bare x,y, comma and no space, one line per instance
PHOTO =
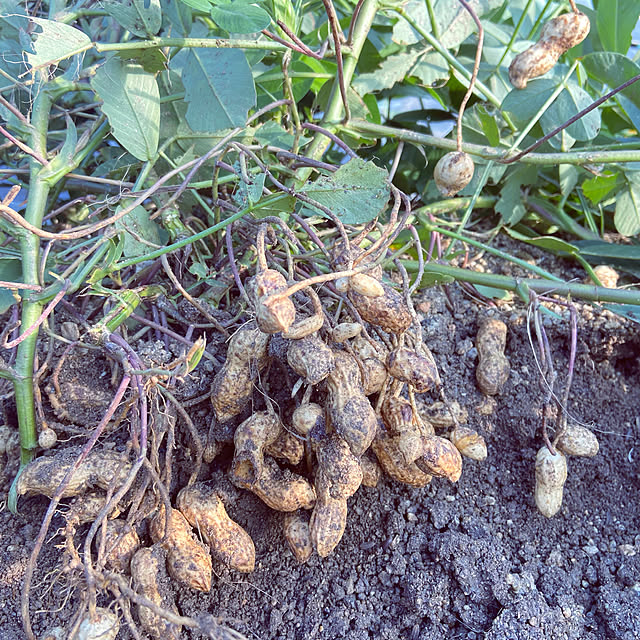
473,560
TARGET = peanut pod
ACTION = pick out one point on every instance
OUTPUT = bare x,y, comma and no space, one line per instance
493,367
388,311
310,358
440,458
393,463
453,172
121,543
274,312
298,535
469,443
328,522
551,474
102,624
577,440
339,473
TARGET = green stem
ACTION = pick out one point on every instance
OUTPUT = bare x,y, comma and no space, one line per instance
30,250
211,43
580,291
491,153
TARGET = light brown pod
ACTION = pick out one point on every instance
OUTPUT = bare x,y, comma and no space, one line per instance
557,37
288,447
102,468
392,461
551,474
440,458
349,412
232,386
150,579
374,364
345,331
274,313
607,276
86,507
188,560
441,415
121,542
409,366
278,488
47,438
297,533
577,440
453,172
469,443
228,541
366,285
397,414
493,367
102,625
308,417
250,440
389,311
371,471
339,473
328,522
304,327
310,358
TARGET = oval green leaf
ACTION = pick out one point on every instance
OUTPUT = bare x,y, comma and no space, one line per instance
246,19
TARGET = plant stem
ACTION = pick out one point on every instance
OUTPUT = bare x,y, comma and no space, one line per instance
30,250
521,285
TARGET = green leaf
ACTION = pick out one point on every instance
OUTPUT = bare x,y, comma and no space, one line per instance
602,249
393,69
64,157
140,17
244,19
489,126
599,187
524,104
151,60
283,205
627,215
132,104
510,205
492,292
550,243
137,221
55,42
200,5
219,88
10,271
357,192
616,20
570,101
432,279
249,194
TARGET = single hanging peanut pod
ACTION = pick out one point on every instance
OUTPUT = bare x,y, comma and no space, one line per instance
577,440
469,443
493,367
453,172
440,458
298,535
551,474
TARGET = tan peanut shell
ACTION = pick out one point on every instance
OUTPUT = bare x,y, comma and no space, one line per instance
388,311
288,447
392,461
275,313
228,541
607,276
371,471
469,443
577,440
493,367
328,522
102,468
310,358
339,473
150,579
366,285
345,331
440,415
409,366
397,414
86,507
278,488
121,542
298,535
188,560
374,364
47,438
551,474
453,172
557,37
349,412
232,386
440,458
101,624
307,417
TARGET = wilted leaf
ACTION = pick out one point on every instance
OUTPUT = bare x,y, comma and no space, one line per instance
137,221
356,193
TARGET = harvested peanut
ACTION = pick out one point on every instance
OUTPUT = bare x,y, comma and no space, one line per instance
274,312
47,438
393,463
150,579
310,358
607,276
453,172
288,447
551,474
232,387
374,364
121,542
188,560
388,311
442,415
102,468
339,472
557,37
577,440
307,418
371,471
440,458
469,443
102,625
493,366
349,412
414,369
205,512
345,331
298,535
398,417
366,285
328,522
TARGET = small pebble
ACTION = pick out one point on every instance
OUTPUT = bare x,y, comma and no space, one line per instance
591,550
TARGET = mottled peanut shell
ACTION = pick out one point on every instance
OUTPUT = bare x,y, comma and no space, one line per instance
278,488
86,507
188,560
366,285
493,367
453,172
265,283
374,365
392,461
304,327
339,473
101,624
551,474
345,331
102,468
275,313
150,579
440,458
297,533
371,471
397,414
557,36
328,522
577,440
250,440
121,542
469,443
310,358
439,414
389,311
232,386
307,417
228,541
288,447
349,412
607,276
409,366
